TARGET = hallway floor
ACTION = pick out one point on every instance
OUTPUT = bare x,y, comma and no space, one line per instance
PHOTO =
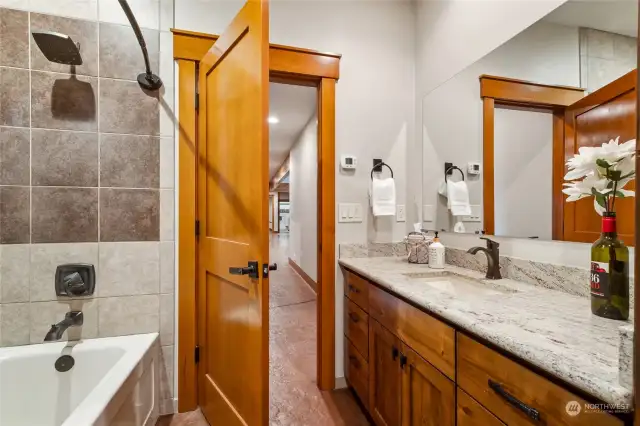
294,397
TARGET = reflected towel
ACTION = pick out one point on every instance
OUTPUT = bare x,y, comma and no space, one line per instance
458,198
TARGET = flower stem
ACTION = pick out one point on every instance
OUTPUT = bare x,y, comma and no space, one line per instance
615,188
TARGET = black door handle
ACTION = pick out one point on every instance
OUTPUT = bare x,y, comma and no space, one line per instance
394,352
273,267
529,411
251,270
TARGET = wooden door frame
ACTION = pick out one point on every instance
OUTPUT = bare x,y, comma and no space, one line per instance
287,65
509,92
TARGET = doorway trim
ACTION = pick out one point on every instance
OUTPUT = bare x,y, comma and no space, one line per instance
508,92
287,65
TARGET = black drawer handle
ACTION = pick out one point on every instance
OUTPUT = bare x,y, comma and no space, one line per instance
394,352
531,412
354,317
354,289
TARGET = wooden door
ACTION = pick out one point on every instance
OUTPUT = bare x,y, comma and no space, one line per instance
385,375
233,182
602,115
428,396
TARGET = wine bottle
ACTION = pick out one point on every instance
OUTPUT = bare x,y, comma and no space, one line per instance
610,273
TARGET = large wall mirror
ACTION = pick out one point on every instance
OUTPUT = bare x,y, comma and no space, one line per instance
520,112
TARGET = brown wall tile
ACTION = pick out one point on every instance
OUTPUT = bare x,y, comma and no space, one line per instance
129,161
83,32
129,215
64,215
14,99
120,55
125,108
62,101
14,38
14,214
64,158
14,156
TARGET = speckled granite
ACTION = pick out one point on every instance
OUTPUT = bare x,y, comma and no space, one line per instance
567,279
550,329
372,249
626,356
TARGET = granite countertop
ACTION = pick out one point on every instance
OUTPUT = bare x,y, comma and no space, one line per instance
552,330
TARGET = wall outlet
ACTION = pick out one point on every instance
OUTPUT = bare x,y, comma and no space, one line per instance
401,214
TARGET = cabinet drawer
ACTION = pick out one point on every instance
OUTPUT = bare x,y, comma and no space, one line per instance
432,339
470,413
356,371
501,385
356,327
357,289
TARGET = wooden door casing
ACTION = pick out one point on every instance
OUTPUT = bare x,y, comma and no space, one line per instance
385,376
233,211
602,115
428,396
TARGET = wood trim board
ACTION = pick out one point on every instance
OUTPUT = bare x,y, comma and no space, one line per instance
290,65
508,92
307,279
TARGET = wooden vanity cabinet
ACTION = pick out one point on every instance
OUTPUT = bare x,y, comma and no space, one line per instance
385,376
410,369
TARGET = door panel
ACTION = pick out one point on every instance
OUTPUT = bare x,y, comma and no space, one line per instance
385,376
233,212
599,117
428,396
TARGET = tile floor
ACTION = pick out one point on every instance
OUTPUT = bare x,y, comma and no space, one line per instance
294,397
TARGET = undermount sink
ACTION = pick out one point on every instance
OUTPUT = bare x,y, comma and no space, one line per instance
458,284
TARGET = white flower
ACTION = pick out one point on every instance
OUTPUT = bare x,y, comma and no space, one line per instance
596,171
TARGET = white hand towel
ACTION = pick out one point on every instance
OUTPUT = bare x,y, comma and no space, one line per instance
383,197
458,198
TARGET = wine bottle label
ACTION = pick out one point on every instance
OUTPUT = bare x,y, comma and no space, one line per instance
600,280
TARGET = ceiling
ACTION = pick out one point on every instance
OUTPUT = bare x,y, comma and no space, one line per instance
614,16
293,106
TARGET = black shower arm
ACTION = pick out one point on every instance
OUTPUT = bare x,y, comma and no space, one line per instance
136,29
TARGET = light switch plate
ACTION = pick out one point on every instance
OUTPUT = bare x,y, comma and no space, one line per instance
401,214
349,212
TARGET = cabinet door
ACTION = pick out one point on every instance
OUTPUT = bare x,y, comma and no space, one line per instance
385,376
470,413
428,396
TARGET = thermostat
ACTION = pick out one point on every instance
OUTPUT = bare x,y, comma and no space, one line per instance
473,168
348,162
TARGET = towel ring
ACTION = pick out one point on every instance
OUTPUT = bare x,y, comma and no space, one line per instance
451,169
382,163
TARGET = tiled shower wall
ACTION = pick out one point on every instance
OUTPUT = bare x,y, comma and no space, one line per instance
87,173
605,57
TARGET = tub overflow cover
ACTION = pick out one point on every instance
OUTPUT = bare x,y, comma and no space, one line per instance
65,363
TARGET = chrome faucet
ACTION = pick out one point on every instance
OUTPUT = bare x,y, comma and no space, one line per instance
71,319
493,258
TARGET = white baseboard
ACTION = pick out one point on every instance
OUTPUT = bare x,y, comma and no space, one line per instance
341,383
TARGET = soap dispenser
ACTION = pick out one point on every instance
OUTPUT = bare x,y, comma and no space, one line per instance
436,254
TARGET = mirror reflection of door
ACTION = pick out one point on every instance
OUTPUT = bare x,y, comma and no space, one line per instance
522,111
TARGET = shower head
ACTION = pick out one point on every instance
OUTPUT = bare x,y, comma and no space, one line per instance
58,47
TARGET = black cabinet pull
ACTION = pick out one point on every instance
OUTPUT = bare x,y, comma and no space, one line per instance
394,352
354,317
353,289
403,360
354,361
529,411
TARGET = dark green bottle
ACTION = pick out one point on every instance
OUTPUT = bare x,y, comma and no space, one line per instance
610,273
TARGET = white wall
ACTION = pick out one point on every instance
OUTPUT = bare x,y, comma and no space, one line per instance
523,163
375,97
452,113
303,198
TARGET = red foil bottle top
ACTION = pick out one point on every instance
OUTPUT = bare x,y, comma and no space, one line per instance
608,224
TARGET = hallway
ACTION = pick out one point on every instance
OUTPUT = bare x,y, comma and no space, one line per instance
294,397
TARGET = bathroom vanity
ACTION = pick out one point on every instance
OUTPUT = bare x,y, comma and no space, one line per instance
426,347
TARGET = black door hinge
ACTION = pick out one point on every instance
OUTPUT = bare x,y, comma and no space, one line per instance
196,354
197,101
197,228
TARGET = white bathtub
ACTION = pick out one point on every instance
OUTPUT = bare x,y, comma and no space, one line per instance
114,382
